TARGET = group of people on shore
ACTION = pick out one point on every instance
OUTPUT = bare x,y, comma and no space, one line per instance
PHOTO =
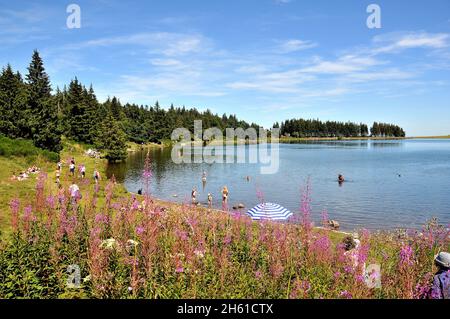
74,189
81,171
25,174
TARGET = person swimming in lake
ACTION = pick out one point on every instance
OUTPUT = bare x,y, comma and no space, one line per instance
204,177
341,178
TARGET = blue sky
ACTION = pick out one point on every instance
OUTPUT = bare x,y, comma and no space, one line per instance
264,60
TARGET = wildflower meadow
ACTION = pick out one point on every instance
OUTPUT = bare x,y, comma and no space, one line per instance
136,247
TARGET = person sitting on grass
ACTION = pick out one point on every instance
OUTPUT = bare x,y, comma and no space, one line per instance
441,281
352,247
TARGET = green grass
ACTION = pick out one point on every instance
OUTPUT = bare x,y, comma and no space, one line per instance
21,154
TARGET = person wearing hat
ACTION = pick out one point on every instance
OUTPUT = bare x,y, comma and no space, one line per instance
441,281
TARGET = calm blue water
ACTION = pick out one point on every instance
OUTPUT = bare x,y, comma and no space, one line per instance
390,184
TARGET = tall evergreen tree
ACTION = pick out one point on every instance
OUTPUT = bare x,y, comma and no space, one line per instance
41,111
12,103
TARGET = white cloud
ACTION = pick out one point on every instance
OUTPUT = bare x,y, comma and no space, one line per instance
295,45
343,65
166,43
165,62
397,42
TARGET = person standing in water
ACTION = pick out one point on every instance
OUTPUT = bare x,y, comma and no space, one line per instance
210,199
203,180
194,196
224,196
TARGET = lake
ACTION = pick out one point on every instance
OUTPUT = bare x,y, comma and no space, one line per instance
389,184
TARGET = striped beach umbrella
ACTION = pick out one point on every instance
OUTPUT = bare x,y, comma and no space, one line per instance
269,211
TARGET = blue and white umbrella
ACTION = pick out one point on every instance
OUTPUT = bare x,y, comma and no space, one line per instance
269,211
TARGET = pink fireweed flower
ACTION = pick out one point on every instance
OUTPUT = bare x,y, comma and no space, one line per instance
15,206
260,195
27,214
300,289
42,177
325,218
305,207
227,239
140,230
406,256
258,274
345,294
423,288
179,270
50,201
101,219
348,269
147,174
181,234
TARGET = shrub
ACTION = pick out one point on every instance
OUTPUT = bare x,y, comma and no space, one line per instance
24,148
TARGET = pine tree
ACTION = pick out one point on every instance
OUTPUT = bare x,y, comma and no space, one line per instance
12,103
41,111
111,139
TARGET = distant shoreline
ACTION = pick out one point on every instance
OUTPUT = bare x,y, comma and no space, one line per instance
294,139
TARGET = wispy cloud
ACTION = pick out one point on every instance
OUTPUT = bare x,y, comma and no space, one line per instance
166,43
392,43
295,45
